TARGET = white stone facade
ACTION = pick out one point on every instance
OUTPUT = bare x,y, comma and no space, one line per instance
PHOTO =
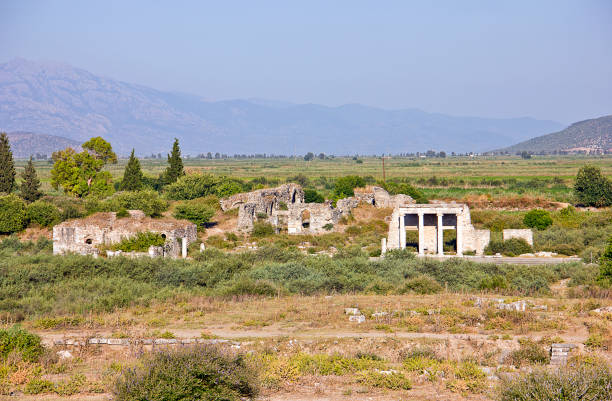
524,233
84,236
430,220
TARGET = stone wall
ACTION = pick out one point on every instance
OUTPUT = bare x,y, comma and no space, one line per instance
310,218
286,193
85,236
524,233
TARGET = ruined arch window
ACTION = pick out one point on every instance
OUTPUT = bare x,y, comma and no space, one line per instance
88,241
305,215
293,196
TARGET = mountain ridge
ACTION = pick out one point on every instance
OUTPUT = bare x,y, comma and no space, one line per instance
593,135
58,99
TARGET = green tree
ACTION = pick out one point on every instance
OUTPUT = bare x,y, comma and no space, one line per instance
537,218
309,156
592,188
81,174
312,196
7,165
605,263
175,168
30,183
12,214
344,186
132,177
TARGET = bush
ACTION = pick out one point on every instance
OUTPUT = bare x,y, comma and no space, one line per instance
18,340
140,242
537,218
592,188
43,213
511,247
529,352
196,212
605,263
577,381
12,214
312,196
262,230
147,201
397,188
344,186
421,285
203,372
199,185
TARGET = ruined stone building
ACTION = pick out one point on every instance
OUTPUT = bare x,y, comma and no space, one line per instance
430,220
284,208
84,236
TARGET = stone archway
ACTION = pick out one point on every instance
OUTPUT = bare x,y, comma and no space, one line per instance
305,217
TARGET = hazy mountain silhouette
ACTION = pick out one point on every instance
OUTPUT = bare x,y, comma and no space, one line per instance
58,99
588,135
26,144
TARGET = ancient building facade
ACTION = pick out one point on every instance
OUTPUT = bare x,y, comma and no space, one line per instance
284,208
430,220
84,236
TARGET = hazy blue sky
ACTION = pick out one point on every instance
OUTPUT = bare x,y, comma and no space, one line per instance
546,59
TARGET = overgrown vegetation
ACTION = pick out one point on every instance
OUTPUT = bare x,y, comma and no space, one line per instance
192,373
139,243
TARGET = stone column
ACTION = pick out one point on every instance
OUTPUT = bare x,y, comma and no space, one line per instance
440,232
421,234
184,247
459,235
402,231
383,246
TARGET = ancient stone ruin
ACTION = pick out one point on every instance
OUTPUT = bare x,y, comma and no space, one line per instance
84,236
284,208
430,220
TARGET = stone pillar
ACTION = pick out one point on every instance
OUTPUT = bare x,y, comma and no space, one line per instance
184,247
383,246
459,235
421,234
440,232
402,231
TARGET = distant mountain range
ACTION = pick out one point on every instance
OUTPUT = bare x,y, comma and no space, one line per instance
589,136
58,99
24,144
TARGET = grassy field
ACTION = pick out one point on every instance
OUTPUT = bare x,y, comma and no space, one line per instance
451,177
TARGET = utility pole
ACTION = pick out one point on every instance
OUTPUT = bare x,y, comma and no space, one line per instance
383,168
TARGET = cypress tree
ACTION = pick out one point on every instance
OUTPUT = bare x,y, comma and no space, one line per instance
132,177
7,165
175,168
30,184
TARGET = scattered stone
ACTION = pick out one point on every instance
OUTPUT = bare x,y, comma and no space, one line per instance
357,318
605,309
379,314
352,311
519,306
64,354
559,353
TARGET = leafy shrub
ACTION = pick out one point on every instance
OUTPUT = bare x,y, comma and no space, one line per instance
312,196
196,212
245,286
140,242
421,285
529,352
18,340
147,201
12,214
200,185
203,372
397,188
605,263
43,213
344,186
39,386
392,380
577,381
511,247
262,230
538,218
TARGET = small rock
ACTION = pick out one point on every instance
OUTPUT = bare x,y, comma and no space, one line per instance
64,354
357,318
352,311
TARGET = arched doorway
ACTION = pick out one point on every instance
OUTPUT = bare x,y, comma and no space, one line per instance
305,215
